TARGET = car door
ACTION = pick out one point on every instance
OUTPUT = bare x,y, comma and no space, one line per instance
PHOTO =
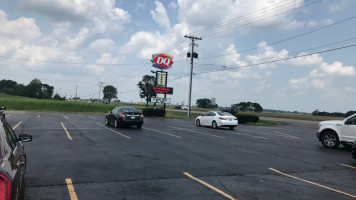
210,118
111,116
203,119
17,161
349,129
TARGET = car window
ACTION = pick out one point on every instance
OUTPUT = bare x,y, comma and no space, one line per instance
224,114
352,120
205,114
10,137
129,110
114,110
212,114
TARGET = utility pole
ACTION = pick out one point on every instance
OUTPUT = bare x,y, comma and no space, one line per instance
76,87
101,84
192,56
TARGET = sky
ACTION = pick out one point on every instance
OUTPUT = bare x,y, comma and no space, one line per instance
289,55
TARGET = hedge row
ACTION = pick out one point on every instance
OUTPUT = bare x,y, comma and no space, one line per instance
150,112
244,118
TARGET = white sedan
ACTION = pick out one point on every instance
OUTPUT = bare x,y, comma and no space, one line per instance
217,119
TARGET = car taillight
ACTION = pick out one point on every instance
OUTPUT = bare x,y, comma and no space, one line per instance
235,118
222,118
5,188
141,116
122,115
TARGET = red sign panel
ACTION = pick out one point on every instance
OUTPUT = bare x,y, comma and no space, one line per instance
162,90
162,61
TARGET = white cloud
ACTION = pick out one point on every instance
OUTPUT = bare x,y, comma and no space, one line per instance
232,57
308,82
338,69
160,16
102,45
173,5
338,6
22,28
312,60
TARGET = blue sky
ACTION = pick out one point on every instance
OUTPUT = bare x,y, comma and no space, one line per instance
75,42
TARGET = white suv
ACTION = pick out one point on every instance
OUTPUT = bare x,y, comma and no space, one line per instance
332,133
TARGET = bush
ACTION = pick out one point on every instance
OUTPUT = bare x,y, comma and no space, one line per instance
150,112
245,118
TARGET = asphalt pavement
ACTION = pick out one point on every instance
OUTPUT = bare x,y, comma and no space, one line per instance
76,156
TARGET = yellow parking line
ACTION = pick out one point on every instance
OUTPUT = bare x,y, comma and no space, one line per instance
73,195
8,115
322,186
38,116
65,117
114,131
237,133
65,129
348,166
163,132
197,132
18,124
209,186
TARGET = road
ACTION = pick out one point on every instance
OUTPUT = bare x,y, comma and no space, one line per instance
76,156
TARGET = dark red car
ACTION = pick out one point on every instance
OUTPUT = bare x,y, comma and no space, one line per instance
12,161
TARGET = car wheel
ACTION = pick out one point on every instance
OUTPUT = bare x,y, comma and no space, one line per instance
116,123
107,121
197,122
231,127
214,125
330,140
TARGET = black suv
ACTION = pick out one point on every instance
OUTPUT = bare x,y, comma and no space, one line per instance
124,116
12,161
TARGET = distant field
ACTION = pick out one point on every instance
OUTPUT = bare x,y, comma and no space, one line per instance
24,103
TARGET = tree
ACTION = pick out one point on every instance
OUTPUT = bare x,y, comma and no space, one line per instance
47,91
56,96
203,103
248,107
110,92
145,86
34,88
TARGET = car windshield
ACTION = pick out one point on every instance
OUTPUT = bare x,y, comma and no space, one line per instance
129,109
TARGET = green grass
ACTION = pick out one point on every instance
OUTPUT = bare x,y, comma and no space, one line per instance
298,116
182,115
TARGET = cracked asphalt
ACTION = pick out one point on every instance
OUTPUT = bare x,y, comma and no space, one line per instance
149,163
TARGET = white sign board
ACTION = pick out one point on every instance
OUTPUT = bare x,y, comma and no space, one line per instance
160,100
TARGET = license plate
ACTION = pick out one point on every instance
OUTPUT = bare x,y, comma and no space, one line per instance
133,117
230,119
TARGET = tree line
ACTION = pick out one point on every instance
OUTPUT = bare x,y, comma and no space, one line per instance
333,114
35,89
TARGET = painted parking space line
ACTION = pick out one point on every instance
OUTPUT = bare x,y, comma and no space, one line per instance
237,133
114,131
209,186
66,117
8,115
38,116
18,124
92,118
275,134
313,183
165,133
73,195
65,129
197,132
349,166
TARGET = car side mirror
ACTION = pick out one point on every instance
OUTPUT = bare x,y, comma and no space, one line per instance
25,138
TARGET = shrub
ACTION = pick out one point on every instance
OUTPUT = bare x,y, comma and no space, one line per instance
150,112
245,118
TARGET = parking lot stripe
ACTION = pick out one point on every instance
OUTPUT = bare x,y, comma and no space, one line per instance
209,186
65,117
348,166
313,183
92,118
197,132
8,115
237,133
114,131
65,129
18,124
73,195
38,116
276,134
163,132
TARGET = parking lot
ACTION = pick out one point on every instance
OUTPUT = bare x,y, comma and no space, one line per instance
76,156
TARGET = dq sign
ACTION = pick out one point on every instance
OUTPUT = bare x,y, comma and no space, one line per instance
162,61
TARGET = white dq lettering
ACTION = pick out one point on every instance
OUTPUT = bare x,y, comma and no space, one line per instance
165,61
